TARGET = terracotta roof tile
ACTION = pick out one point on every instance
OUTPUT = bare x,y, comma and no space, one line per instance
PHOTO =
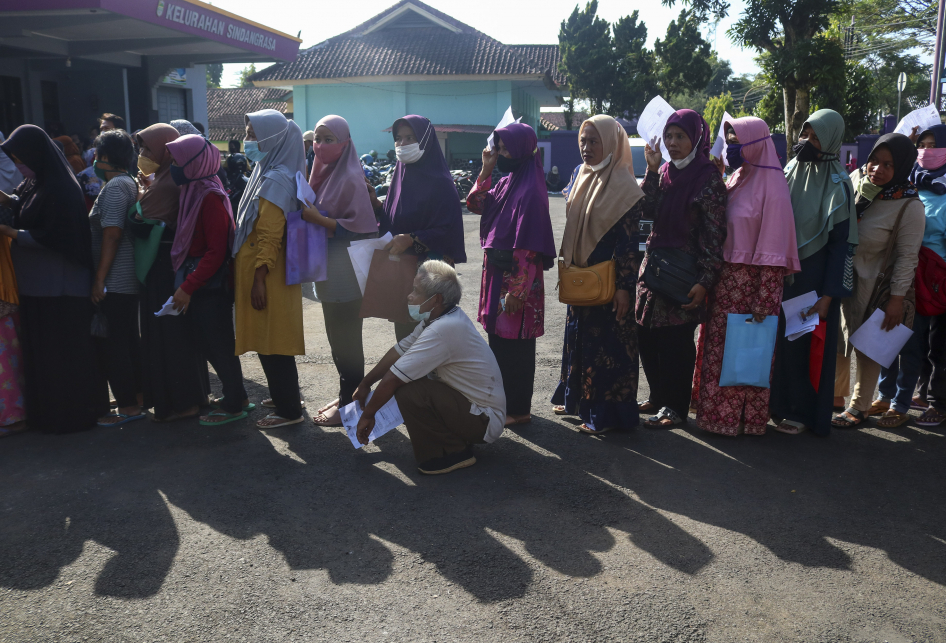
419,48
226,108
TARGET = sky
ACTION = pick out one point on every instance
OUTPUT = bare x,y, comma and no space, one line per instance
512,23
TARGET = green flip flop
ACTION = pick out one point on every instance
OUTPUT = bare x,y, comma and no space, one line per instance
229,418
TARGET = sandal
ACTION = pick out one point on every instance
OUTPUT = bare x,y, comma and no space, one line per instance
790,427
878,407
323,419
919,404
646,407
217,401
559,409
849,419
932,417
273,421
659,421
206,420
123,418
584,428
269,404
893,419
175,417
13,429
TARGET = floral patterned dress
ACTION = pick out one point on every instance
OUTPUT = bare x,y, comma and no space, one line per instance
524,281
12,403
741,289
600,356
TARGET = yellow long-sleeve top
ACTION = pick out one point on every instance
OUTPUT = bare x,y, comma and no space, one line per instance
277,329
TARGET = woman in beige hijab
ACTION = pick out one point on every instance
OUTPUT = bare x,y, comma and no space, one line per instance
603,209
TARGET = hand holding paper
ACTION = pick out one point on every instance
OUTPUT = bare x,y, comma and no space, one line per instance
651,123
796,323
924,118
882,346
507,119
388,417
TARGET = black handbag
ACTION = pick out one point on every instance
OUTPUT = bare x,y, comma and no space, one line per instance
502,259
672,273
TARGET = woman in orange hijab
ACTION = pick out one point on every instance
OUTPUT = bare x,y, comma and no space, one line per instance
73,155
12,404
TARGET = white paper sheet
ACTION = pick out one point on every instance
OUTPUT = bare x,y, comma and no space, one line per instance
795,324
882,346
925,117
651,123
168,308
719,147
361,252
388,417
303,190
507,119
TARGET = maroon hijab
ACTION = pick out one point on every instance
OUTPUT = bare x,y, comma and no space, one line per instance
681,187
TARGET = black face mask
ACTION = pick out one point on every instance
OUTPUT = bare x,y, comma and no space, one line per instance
177,175
508,165
805,152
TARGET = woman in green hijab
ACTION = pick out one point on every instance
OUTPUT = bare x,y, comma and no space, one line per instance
826,231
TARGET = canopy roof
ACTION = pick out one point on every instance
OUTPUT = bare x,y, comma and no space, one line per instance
178,33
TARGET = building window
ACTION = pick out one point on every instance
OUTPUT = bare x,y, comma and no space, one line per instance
11,104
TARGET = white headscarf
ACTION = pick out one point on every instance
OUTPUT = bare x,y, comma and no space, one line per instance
273,178
10,177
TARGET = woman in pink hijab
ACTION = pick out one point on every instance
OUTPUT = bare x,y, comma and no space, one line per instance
343,208
760,250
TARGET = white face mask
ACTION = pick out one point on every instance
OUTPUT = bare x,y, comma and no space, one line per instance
682,163
603,164
409,153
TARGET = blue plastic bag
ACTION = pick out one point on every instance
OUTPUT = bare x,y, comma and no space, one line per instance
747,356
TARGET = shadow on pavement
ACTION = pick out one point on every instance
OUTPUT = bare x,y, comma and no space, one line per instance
546,493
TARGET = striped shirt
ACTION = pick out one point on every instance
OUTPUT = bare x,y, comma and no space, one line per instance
111,211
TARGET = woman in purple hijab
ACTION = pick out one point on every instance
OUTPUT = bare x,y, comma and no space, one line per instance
422,208
516,235
686,199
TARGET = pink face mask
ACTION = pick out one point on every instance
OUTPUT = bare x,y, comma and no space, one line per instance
931,158
328,153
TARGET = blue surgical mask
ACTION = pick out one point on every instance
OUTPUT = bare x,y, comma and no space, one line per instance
253,152
734,155
414,311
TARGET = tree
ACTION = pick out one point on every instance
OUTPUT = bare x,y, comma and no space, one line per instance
214,74
245,76
634,82
683,57
790,32
851,99
587,55
569,112
720,76
715,107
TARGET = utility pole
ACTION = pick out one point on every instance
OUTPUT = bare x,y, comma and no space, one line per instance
901,85
936,90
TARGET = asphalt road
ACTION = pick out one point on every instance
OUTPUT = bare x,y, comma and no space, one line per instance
186,533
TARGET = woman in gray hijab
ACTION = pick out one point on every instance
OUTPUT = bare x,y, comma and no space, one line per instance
268,312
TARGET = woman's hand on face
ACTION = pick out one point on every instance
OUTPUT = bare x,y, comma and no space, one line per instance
143,180
98,291
489,161
697,294
718,162
653,157
894,314
7,231
182,301
513,304
621,304
399,244
914,134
